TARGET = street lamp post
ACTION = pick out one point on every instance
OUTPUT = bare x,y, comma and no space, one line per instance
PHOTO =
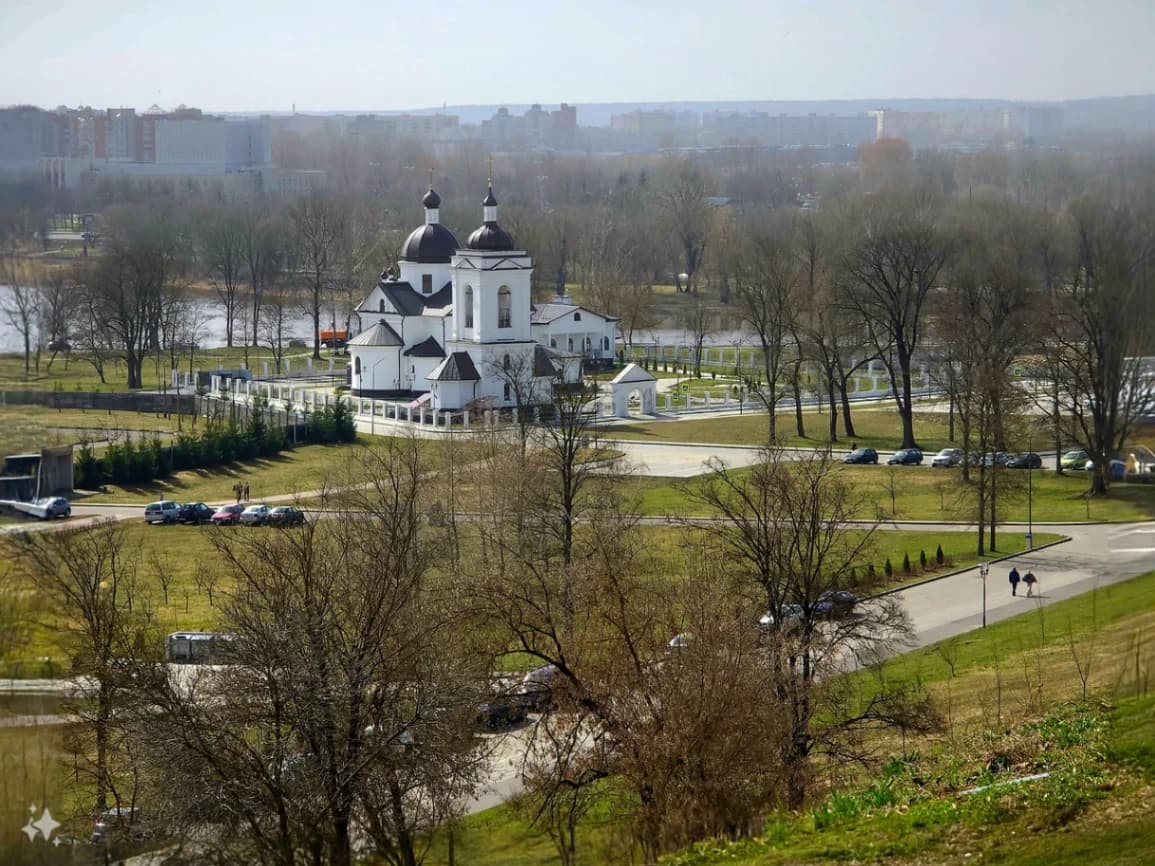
984,570
1030,492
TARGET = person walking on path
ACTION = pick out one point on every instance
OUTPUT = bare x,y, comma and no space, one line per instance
1030,580
246,491
1014,581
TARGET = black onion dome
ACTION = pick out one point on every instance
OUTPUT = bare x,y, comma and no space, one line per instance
432,200
489,200
430,244
490,236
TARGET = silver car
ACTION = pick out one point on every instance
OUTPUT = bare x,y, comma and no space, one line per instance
255,515
948,457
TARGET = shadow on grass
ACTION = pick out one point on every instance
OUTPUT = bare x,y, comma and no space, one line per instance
185,479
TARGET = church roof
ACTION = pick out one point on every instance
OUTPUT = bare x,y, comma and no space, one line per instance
543,314
490,236
632,373
380,334
432,200
405,299
458,367
427,348
432,243
544,362
443,297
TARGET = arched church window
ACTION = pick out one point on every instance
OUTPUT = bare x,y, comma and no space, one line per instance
469,306
571,344
505,363
504,307
357,366
577,317
589,344
606,343
506,390
427,284
553,342
381,305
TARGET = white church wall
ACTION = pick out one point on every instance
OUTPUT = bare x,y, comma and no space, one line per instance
414,273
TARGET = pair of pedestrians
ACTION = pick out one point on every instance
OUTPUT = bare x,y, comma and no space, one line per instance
1029,579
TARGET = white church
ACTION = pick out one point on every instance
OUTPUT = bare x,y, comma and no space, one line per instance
457,328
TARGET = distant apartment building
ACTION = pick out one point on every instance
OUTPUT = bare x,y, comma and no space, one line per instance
214,141
784,130
390,126
1041,123
646,122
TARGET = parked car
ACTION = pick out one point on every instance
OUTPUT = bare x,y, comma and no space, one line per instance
164,511
537,687
255,515
502,711
194,513
1116,469
227,515
122,823
285,515
861,455
1074,459
55,506
905,457
991,458
1030,460
948,457
837,603
793,615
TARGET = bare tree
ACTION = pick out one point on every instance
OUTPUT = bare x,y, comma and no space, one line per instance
892,267
1100,333
20,299
130,284
223,242
786,530
87,577
766,286
685,202
349,712
319,226
698,320
264,261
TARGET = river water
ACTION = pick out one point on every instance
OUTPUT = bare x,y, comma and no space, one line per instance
300,326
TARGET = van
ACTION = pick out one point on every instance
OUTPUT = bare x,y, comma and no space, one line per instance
165,511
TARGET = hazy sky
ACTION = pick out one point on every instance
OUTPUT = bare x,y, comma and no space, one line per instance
235,55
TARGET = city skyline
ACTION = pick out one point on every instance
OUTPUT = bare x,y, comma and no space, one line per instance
396,57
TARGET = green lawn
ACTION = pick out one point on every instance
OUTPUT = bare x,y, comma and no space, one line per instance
922,493
76,373
878,428
300,470
28,428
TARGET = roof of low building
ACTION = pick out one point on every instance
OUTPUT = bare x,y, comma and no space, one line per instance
545,362
379,334
458,367
427,348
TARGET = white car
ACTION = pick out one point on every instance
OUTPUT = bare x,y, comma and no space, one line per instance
948,457
255,515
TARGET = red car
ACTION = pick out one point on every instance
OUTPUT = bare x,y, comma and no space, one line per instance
227,515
